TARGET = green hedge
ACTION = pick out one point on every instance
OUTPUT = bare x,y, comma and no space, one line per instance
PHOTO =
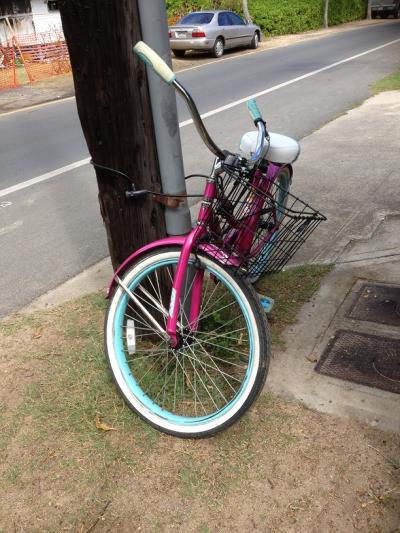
286,16
277,17
181,7
346,10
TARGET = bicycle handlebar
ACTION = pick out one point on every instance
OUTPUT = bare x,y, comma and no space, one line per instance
154,61
255,114
160,67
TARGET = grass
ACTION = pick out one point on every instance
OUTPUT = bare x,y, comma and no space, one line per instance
389,83
394,462
290,290
74,384
60,471
71,384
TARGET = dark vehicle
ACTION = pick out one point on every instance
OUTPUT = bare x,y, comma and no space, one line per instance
384,8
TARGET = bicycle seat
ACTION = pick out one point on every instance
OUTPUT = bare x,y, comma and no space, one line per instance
281,149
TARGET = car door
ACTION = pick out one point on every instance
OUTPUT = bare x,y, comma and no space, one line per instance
227,29
241,30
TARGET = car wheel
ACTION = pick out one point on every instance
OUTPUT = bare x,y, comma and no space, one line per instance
218,48
396,13
374,15
255,41
179,53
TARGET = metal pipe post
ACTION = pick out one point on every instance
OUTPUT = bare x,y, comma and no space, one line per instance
153,22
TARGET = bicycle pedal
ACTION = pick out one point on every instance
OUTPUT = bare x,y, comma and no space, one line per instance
267,303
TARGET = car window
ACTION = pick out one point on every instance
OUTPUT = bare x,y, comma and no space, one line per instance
236,20
197,18
224,20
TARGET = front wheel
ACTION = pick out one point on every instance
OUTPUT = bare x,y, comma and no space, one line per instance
215,374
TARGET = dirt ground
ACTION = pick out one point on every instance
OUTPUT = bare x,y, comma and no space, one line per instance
54,89
282,468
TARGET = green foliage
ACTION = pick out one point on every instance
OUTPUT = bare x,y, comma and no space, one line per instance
279,17
182,7
346,10
286,16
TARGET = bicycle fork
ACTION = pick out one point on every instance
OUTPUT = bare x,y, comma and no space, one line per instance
182,271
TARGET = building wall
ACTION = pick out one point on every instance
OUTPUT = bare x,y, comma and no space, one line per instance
20,24
38,18
43,19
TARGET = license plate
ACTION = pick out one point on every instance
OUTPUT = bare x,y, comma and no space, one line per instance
180,34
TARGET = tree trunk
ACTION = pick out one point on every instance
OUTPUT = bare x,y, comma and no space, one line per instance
114,110
369,9
326,14
246,11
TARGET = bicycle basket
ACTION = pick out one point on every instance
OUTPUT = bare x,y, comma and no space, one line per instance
257,225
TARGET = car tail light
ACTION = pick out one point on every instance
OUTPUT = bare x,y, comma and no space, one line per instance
170,34
198,34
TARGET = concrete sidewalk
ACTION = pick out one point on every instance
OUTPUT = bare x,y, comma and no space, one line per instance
352,165
351,168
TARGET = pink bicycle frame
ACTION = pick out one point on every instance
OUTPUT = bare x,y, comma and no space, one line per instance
243,239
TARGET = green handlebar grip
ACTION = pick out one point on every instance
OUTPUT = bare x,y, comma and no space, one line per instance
151,58
253,109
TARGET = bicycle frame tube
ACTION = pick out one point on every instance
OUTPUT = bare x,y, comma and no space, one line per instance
244,237
181,270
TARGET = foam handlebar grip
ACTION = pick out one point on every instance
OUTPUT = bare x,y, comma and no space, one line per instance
151,58
253,109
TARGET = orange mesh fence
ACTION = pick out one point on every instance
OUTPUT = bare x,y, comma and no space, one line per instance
32,57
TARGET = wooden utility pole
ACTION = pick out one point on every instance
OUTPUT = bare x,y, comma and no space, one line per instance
326,14
114,110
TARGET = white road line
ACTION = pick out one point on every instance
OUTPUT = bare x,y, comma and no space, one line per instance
36,106
83,162
44,177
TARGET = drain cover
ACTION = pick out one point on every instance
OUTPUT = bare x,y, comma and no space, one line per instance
366,359
377,303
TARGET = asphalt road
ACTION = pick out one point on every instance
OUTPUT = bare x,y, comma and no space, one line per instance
52,230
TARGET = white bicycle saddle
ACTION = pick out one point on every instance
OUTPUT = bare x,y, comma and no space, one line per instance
281,149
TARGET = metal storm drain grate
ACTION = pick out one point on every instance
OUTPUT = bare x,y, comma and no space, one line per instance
365,359
377,303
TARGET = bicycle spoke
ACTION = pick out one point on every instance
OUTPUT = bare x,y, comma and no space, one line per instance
215,367
223,347
217,310
194,390
204,386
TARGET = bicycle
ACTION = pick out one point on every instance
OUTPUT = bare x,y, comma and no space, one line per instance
186,335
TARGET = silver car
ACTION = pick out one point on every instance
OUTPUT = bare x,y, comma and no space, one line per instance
213,31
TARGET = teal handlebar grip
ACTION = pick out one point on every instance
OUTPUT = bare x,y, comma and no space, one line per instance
253,109
154,61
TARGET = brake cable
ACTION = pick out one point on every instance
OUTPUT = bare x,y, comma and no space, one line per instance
170,200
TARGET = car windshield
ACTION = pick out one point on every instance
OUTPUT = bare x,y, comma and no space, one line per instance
197,18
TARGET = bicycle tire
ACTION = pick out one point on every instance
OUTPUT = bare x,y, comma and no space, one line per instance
283,180
177,415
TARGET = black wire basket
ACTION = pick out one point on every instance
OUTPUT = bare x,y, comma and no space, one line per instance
284,222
